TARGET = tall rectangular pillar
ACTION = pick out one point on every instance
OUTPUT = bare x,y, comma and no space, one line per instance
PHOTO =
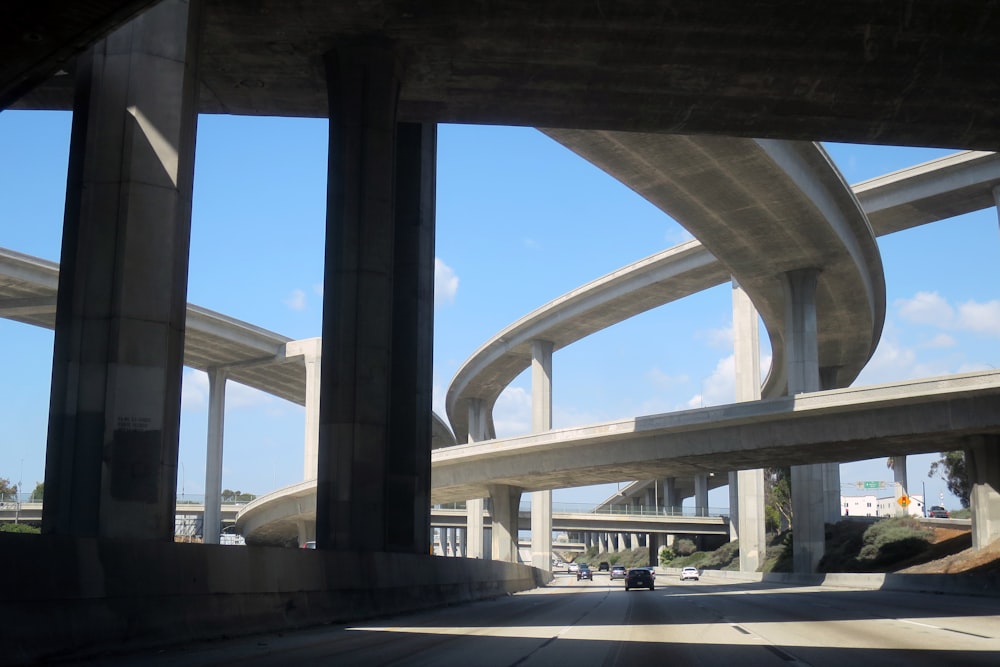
809,506
982,458
541,421
748,489
375,425
114,414
505,502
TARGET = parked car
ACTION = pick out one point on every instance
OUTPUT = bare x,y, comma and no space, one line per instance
938,512
584,572
639,577
690,573
617,571
574,567
603,566
311,544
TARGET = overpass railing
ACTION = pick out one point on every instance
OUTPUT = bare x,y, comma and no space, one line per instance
623,509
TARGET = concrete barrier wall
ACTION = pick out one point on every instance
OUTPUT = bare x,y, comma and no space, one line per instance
83,596
952,584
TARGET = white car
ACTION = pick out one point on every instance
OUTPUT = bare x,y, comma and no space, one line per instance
690,573
574,567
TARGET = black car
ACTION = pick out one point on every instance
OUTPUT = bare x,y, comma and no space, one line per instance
639,577
584,572
603,566
938,512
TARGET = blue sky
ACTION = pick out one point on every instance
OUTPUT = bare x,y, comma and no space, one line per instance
521,221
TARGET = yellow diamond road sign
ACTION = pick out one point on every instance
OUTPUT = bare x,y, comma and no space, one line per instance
904,500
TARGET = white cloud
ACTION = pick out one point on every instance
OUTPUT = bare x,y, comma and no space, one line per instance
512,413
721,337
941,341
926,308
980,317
932,309
719,387
445,283
194,390
661,380
296,300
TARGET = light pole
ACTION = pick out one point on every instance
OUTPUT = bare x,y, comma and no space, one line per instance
17,494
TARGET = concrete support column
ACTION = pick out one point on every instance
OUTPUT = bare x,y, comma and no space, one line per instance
633,540
505,503
602,542
541,421
701,494
114,410
621,546
460,540
982,460
748,489
671,496
213,461
802,362
475,543
311,350
375,430
900,484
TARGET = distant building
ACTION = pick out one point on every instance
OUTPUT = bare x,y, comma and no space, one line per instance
871,505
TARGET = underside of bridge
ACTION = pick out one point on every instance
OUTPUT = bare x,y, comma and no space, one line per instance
867,72
384,73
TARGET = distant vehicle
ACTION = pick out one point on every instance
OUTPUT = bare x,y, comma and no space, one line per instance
603,566
938,512
639,577
584,572
617,571
690,573
311,544
574,567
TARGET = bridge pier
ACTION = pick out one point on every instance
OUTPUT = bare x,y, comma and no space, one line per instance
982,459
374,431
541,421
748,493
802,368
505,504
111,456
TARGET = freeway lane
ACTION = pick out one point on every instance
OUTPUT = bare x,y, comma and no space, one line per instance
585,623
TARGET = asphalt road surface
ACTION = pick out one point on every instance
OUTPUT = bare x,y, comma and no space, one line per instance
598,623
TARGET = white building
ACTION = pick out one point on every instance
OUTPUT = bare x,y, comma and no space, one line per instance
871,505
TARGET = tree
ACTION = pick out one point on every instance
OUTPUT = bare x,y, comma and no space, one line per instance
7,490
38,494
230,496
777,498
953,471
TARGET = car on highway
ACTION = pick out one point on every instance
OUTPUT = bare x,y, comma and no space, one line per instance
617,571
574,567
690,573
603,566
938,512
584,572
639,577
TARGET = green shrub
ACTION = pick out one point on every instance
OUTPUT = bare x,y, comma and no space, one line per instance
666,555
726,557
684,547
19,528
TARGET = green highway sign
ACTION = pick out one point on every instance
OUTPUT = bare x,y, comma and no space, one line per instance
871,485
